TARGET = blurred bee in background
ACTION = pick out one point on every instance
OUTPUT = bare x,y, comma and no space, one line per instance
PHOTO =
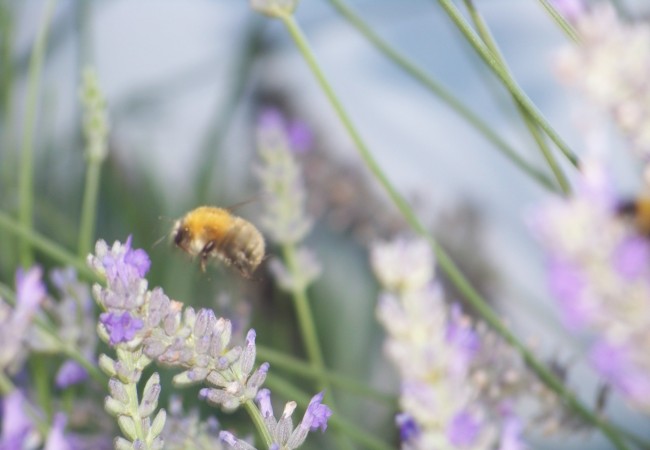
638,211
210,232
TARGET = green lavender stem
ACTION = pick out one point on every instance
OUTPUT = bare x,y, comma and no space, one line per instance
26,182
89,206
489,41
47,246
445,262
256,416
308,328
295,366
561,21
492,61
443,94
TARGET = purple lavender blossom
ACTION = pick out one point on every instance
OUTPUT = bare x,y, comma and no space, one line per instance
121,327
30,292
70,373
463,429
263,399
317,413
615,364
632,257
56,439
571,9
16,424
568,285
600,272
126,265
408,427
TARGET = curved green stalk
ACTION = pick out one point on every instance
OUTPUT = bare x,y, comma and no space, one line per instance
89,206
492,61
308,328
444,261
560,21
26,182
47,246
489,41
443,94
258,420
338,423
293,365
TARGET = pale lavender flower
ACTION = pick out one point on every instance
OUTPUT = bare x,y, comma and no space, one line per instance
15,322
455,374
17,429
121,327
404,265
571,9
56,439
69,374
463,430
185,429
599,270
284,216
233,442
284,435
610,66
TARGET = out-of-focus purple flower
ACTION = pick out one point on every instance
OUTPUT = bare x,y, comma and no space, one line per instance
632,257
30,292
301,137
408,428
70,373
56,439
462,337
463,429
402,265
571,9
16,424
284,217
511,434
615,365
568,285
15,322
121,327
317,413
600,272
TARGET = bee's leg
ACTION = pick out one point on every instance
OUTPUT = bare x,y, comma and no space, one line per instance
205,254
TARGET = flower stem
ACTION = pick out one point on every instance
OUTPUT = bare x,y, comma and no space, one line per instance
258,420
47,246
560,20
26,182
305,318
533,128
445,262
293,365
89,206
492,61
444,95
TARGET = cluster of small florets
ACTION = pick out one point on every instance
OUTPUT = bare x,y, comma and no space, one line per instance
610,65
599,271
460,383
145,325
284,219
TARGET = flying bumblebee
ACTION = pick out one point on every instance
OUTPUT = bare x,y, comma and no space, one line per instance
211,232
638,211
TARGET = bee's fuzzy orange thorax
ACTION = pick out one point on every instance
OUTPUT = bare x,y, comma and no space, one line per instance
208,220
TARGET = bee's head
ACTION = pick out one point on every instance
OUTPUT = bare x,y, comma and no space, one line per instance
180,235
